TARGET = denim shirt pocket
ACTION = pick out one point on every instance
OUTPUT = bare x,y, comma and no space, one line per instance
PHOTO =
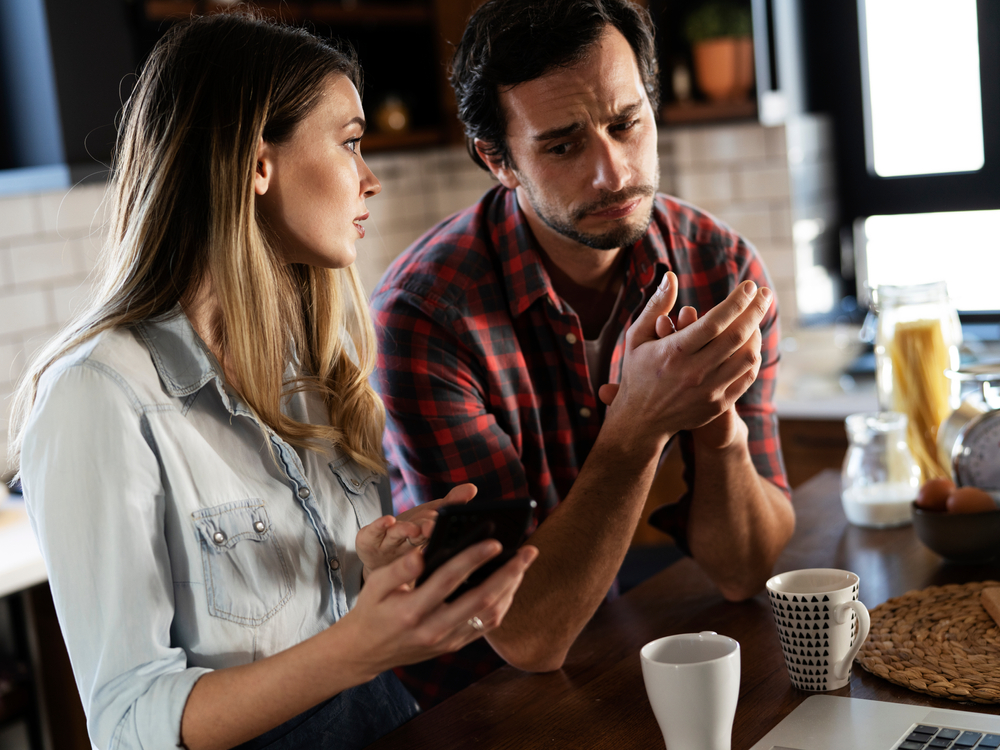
361,487
247,579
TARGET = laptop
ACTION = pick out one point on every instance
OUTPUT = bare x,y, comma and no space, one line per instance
829,722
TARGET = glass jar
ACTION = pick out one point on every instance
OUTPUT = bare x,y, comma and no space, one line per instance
880,477
916,342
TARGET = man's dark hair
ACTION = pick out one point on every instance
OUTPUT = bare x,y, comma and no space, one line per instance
508,42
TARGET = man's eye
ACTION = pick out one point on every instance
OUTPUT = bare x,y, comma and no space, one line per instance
560,150
625,125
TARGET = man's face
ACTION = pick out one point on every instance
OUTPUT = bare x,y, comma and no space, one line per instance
582,142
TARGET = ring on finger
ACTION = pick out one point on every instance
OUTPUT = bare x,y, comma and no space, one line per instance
476,624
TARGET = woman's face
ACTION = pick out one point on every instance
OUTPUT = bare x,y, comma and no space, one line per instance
312,188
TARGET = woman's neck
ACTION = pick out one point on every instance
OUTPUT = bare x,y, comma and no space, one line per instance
205,314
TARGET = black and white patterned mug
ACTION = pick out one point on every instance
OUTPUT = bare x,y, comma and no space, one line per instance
821,625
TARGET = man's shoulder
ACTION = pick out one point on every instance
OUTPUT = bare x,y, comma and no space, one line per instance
694,227
450,263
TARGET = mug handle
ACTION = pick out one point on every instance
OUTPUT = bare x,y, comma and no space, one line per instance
842,669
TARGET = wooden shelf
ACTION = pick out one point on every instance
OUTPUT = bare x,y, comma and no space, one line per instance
343,14
695,112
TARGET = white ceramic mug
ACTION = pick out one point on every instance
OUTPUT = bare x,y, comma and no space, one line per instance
693,682
821,625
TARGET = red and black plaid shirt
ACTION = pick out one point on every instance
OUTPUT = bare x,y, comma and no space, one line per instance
482,366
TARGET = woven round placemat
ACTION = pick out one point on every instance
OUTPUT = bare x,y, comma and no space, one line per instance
938,641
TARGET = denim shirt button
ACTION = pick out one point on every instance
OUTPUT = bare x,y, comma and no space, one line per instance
259,527
334,564
355,482
219,537
304,492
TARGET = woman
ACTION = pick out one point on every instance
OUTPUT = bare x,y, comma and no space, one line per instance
201,450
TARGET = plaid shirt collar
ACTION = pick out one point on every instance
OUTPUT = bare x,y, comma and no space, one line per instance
524,274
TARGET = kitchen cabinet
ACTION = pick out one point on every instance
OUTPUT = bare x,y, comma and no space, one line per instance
405,49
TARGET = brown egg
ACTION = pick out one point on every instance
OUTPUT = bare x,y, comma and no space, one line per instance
970,500
934,495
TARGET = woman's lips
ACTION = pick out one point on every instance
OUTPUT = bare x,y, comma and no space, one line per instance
618,212
358,226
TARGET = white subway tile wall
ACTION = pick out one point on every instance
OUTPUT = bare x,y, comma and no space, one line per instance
741,173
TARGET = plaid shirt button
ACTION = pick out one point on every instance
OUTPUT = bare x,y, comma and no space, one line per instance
584,412
570,338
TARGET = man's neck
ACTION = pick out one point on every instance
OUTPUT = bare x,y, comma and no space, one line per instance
585,278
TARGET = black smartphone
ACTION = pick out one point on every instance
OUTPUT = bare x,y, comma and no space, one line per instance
461,526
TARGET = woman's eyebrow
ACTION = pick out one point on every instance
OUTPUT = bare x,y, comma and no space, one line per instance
356,121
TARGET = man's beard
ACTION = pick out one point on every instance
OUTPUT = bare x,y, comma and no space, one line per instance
625,234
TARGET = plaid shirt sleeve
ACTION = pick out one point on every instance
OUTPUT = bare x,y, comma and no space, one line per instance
439,430
756,406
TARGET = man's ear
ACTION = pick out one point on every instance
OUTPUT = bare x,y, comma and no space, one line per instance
264,168
505,174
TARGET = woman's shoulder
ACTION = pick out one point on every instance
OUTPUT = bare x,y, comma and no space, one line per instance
116,359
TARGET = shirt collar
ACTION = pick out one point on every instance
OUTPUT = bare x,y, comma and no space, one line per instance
180,356
525,276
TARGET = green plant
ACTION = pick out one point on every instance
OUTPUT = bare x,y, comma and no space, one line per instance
715,19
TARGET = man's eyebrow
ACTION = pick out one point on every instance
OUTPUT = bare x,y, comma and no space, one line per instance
627,112
562,132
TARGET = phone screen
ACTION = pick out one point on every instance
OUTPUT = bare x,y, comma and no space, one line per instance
460,526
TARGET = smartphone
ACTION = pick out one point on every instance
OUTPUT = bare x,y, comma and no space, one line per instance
461,526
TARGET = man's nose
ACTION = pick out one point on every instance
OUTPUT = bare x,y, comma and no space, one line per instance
611,169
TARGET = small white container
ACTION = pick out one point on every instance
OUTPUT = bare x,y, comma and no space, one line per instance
880,478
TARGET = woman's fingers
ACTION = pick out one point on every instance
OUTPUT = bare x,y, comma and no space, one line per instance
384,581
489,601
451,574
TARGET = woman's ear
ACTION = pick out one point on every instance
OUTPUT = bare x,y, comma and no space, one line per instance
264,168
505,174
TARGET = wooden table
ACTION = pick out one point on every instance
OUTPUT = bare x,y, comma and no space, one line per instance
598,699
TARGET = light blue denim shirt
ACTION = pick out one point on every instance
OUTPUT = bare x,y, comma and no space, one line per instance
175,544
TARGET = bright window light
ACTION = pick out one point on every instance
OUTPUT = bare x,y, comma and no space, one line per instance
922,86
961,248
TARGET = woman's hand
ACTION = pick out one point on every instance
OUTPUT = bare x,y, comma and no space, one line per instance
389,537
395,623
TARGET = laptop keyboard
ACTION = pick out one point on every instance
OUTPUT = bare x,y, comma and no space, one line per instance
925,737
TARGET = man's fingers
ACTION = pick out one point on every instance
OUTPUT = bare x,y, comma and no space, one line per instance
686,317
607,393
719,318
662,301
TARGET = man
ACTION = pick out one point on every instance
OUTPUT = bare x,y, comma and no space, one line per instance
499,327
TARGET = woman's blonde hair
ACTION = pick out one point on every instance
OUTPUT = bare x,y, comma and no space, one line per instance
184,212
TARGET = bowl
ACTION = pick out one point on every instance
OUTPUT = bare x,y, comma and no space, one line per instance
959,537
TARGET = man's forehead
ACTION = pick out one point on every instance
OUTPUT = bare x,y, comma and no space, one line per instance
604,85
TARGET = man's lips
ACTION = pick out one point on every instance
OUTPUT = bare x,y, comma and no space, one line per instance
619,211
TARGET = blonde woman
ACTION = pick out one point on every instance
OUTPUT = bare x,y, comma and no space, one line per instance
201,451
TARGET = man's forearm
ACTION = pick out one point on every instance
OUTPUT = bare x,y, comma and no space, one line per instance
581,547
739,522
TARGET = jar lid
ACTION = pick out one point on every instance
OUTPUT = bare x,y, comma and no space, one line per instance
887,294
876,421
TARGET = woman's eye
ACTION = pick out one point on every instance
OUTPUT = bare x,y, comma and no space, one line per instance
353,145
